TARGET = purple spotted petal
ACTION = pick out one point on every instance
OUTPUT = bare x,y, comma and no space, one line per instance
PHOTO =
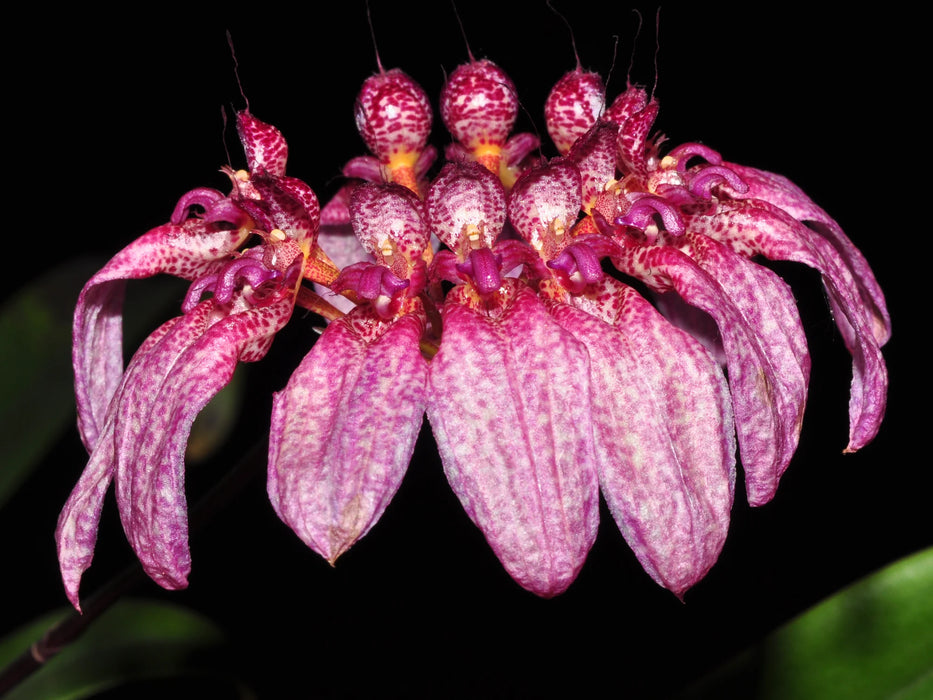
545,203
388,218
573,106
767,303
158,404
186,251
265,147
767,381
595,157
76,533
632,143
754,227
784,194
664,435
509,403
170,379
344,429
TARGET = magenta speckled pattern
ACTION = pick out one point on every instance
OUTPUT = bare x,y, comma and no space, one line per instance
574,104
755,227
780,192
266,150
664,437
595,157
170,379
508,401
393,115
344,429
495,293
388,221
479,104
544,204
768,406
466,195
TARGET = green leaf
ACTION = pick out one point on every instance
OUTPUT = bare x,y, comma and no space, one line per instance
215,422
36,382
133,641
873,639
36,386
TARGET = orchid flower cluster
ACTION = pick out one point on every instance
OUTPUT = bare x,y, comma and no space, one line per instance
496,297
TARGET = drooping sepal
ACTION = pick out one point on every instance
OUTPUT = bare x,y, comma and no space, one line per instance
664,434
344,428
509,404
170,379
767,381
755,227
186,250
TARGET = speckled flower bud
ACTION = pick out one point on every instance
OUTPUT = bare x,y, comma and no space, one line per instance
479,106
573,106
393,115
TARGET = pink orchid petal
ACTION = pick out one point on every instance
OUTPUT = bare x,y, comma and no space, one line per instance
664,435
755,227
188,251
164,390
595,157
780,192
573,106
632,142
518,148
767,380
344,429
265,147
76,533
626,105
542,197
509,403
466,196
767,304
380,212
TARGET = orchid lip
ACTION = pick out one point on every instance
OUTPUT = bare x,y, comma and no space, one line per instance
708,177
643,210
580,263
225,283
483,267
204,197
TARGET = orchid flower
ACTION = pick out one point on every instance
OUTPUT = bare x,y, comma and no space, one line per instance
545,375
344,429
136,423
509,397
662,415
754,213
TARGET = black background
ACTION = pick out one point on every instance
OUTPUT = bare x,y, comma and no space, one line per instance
111,117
